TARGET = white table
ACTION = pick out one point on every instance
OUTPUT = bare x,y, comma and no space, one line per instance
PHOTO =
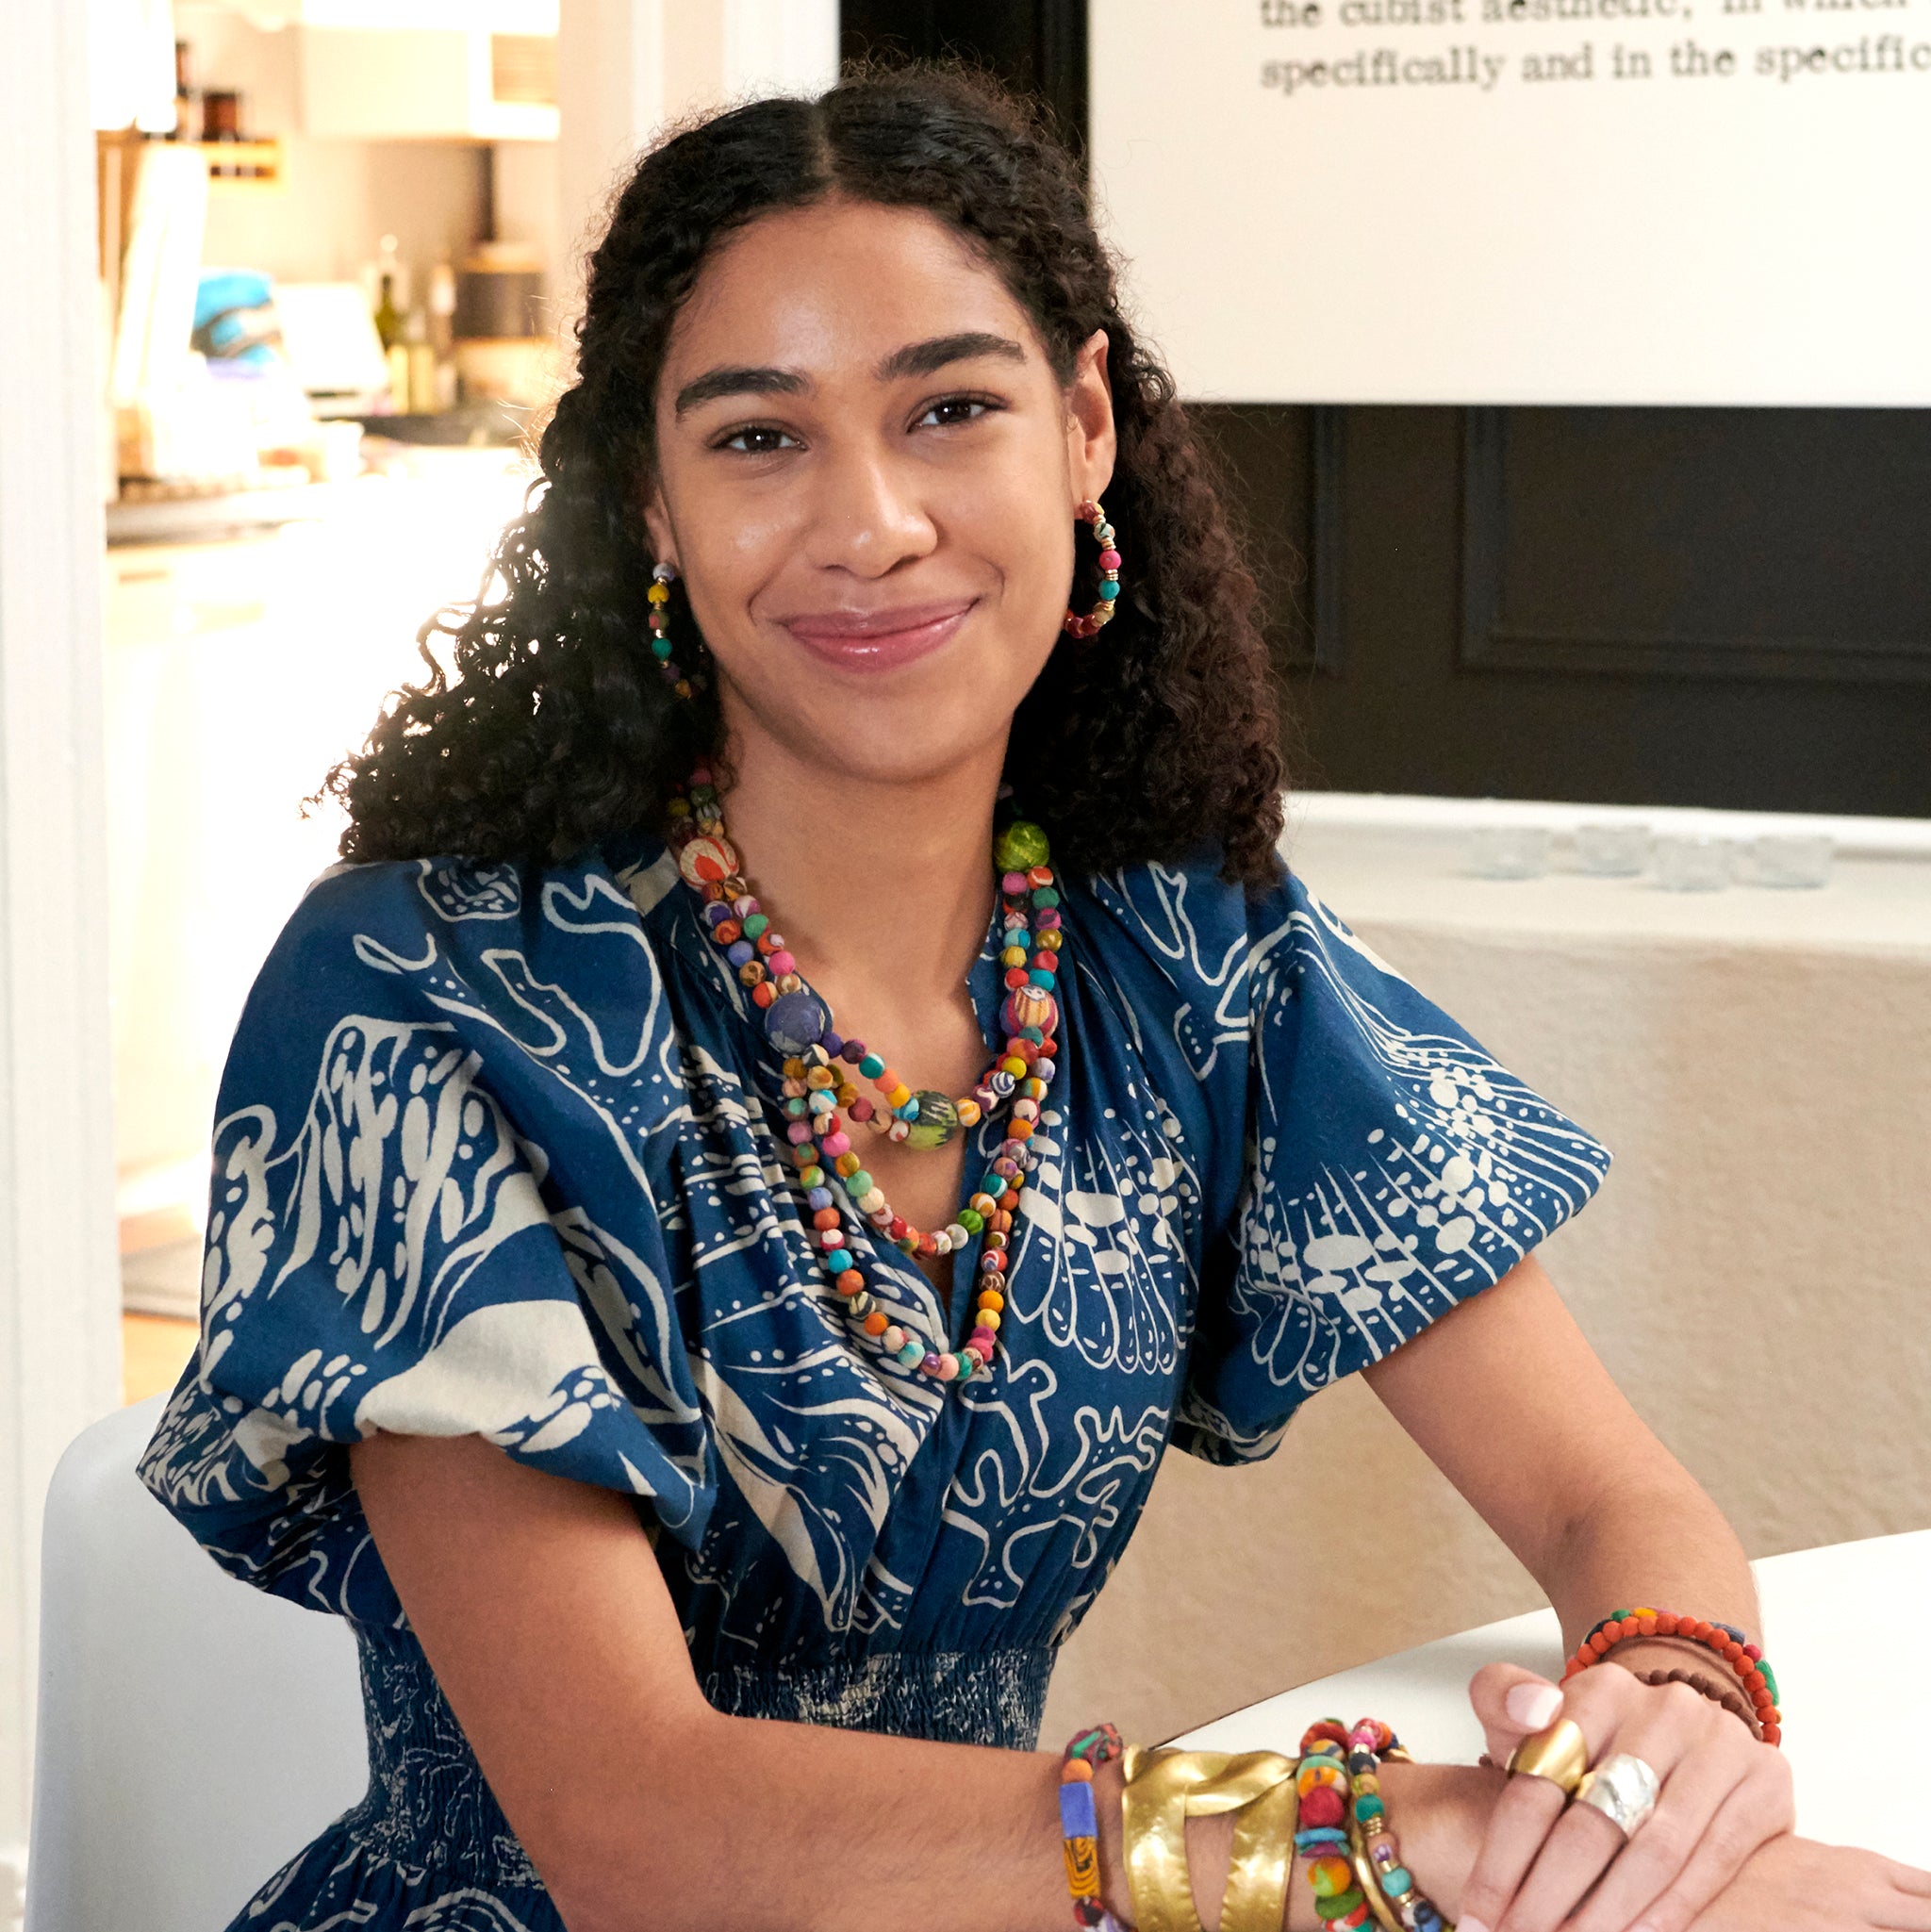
1843,1688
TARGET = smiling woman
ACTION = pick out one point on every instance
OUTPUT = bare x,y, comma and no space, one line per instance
708,1497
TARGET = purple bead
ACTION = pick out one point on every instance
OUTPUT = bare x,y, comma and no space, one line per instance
818,1198
794,1022
832,1044
1042,1069
851,1051
931,1363
740,952
717,913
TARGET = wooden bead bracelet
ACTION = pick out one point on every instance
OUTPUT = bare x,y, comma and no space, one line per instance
1744,1659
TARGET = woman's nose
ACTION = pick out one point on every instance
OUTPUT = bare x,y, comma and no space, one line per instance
868,517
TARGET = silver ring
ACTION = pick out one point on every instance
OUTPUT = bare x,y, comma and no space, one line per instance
1623,1789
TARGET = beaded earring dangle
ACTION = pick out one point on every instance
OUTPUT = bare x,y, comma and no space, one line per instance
1088,626
661,580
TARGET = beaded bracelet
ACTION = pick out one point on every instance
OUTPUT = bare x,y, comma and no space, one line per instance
1393,1897
1080,1825
1745,1660
1323,1786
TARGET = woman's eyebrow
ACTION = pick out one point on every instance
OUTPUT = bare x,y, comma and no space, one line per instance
914,358
925,358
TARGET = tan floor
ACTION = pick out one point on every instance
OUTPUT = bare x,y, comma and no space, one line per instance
154,1351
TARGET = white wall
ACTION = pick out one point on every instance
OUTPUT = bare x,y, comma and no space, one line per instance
627,68
59,1292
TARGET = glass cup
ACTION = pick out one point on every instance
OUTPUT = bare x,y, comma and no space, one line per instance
1508,852
1612,848
1686,862
1793,859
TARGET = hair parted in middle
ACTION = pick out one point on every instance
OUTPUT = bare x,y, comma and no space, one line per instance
1151,743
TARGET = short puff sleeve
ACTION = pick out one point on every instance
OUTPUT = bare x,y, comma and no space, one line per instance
1391,1169
381,1255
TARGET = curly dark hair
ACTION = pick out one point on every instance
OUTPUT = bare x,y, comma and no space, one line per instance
557,732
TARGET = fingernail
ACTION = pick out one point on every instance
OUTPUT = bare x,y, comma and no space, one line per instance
1534,1705
1470,1926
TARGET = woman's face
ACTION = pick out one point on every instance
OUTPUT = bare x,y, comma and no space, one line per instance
867,479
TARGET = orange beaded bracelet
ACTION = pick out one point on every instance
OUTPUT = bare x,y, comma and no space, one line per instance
1745,1660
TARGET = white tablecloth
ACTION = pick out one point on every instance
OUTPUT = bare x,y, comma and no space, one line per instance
1856,1702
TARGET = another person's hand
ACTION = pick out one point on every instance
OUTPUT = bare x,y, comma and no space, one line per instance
1724,1796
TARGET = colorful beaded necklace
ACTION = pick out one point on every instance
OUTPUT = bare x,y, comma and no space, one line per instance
818,1064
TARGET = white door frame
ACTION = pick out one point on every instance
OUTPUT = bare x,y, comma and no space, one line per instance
60,1285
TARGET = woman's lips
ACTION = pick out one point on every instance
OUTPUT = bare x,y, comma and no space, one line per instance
878,639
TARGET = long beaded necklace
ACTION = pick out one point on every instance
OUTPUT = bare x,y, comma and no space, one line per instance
819,1065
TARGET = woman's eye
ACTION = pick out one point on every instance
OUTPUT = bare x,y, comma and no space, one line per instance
954,409
759,440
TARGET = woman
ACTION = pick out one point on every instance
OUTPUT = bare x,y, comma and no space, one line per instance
552,1201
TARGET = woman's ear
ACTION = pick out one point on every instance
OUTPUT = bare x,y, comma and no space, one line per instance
657,523
1091,443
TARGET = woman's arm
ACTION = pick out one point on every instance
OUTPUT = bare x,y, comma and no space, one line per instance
1508,1399
540,1607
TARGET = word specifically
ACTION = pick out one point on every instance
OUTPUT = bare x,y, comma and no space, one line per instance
1459,66
1878,54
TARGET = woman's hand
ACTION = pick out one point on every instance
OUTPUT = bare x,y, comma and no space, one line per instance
1723,1795
1795,1886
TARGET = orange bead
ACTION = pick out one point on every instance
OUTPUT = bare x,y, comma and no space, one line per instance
825,1217
992,1299
876,1323
849,1283
1019,1130
763,994
726,931
886,1081
1076,1770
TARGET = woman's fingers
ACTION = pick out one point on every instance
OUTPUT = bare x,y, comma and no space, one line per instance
1512,1703
1696,1840
1718,1804
1518,1827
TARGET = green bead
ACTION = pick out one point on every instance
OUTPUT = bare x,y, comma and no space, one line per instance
1020,847
872,1066
971,1220
860,1185
812,1177
1769,1679
937,1120
1338,1908
1044,897
1395,1880
755,924
1327,1885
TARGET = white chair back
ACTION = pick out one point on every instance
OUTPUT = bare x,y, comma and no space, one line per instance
194,1733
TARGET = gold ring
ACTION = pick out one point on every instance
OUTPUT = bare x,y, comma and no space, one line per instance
1559,1754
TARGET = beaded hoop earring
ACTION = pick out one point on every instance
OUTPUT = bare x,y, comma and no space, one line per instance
1088,626
661,580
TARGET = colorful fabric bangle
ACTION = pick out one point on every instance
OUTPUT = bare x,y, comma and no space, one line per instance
1743,1658
1079,1824
1398,1905
1323,1787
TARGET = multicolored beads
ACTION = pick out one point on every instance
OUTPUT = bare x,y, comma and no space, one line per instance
1321,1785
1387,1885
1080,1823
1744,1658
818,1067
659,596
1089,626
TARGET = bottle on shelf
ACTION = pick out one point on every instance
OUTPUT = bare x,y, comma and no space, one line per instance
388,325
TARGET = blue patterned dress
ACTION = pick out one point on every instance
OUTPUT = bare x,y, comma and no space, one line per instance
500,1152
